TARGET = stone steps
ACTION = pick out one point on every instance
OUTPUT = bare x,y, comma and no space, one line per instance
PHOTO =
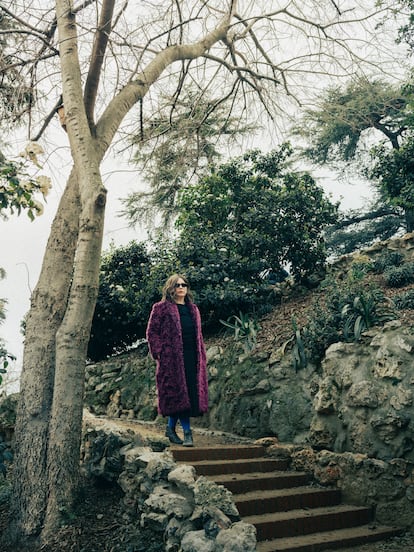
289,513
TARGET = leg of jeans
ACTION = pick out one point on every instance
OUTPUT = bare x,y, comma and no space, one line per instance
185,423
172,421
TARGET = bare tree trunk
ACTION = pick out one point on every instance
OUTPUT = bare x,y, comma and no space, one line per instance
48,304
48,430
71,346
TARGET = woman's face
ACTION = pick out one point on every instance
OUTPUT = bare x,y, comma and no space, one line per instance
180,290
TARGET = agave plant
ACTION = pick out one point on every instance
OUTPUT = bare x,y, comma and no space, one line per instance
245,330
365,311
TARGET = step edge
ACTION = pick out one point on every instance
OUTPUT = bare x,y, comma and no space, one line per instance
289,491
361,530
310,512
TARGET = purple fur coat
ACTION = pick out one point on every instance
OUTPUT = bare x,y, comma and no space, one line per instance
166,347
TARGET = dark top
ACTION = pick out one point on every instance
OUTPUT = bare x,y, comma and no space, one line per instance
187,326
190,357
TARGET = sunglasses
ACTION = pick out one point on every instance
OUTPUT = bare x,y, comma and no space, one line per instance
180,285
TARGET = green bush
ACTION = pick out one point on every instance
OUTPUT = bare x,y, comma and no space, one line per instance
387,260
405,300
345,312
399,276
245,330
366,310
124,301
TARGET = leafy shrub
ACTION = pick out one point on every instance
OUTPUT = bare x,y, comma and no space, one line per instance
366,310
345,312
400,275
405,300
124,301
387,260
245,330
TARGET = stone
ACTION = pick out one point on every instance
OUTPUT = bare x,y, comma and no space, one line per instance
214,353
165,501
197,541
362,393
240,537
326,399
154,521
207,494
183,477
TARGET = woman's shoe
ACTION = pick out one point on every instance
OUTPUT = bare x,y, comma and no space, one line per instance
188,439
172,436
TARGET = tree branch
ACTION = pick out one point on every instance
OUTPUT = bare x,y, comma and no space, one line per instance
350,220
97,58
135,90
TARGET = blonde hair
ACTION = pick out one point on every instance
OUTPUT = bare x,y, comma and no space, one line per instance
168,291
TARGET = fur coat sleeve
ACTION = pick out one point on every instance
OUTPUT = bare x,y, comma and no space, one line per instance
166,347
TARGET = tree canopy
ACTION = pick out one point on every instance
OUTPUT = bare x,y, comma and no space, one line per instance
259,211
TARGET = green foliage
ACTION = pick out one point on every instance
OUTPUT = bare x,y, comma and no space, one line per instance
248,216
124,300
299,356
364,232
399,276
347,310
334,129
366,310
176,148
406,32
245,330
393,169
18,189
260,213
405,300
387,260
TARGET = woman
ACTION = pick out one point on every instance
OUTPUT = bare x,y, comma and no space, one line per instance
176,343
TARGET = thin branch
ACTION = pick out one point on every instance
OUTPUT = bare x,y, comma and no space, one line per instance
34,33
349,221
135,90
338,11
21,22
47,120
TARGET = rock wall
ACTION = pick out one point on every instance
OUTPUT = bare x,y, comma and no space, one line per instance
365,400
361,401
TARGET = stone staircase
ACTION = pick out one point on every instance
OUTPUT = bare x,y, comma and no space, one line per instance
289,513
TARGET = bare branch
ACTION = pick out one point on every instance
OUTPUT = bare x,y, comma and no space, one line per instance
97,58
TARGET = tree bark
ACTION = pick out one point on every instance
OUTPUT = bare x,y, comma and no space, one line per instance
48,304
